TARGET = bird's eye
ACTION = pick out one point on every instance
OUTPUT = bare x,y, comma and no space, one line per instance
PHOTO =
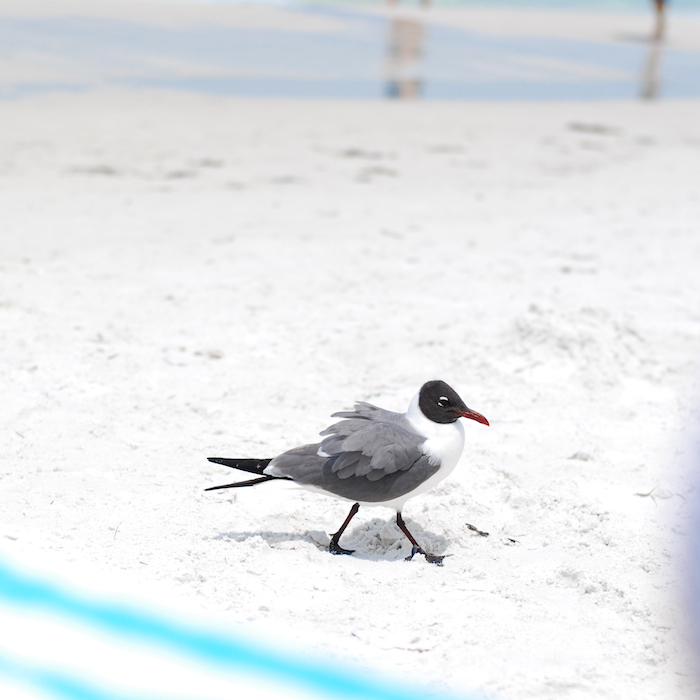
443,401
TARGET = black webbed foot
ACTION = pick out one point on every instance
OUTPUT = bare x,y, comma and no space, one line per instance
430,558
435,558
335,548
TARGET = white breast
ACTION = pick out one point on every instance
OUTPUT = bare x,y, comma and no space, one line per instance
444,445
445,441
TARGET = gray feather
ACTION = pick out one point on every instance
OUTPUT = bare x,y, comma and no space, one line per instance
372,455
388,440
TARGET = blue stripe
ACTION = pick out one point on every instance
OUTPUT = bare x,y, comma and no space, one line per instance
197,643
55,684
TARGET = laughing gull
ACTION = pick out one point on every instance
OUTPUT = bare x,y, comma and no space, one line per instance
375,457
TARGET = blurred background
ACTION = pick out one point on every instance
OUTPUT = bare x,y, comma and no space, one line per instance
222,222
538,50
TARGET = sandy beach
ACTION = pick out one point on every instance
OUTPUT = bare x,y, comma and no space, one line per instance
183,276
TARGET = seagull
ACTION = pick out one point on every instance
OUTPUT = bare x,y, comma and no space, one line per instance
375,457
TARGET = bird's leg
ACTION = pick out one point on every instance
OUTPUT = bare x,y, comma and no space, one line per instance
334,547
417,549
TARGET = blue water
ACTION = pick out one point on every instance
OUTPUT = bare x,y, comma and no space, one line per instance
351,62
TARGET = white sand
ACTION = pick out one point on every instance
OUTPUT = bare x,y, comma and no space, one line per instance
186,276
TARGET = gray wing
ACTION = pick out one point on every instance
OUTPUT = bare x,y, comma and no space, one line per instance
371,442
373,455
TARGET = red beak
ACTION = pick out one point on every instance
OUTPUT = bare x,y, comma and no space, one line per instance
473,415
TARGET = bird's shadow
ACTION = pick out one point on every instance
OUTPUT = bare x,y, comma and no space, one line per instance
373,540
271,538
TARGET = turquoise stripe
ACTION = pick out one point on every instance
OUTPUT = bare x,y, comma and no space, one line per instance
200,644
55,684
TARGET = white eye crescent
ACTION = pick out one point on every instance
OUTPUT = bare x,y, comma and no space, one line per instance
443,401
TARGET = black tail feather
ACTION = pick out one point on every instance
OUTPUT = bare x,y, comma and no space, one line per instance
239,484
254,466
